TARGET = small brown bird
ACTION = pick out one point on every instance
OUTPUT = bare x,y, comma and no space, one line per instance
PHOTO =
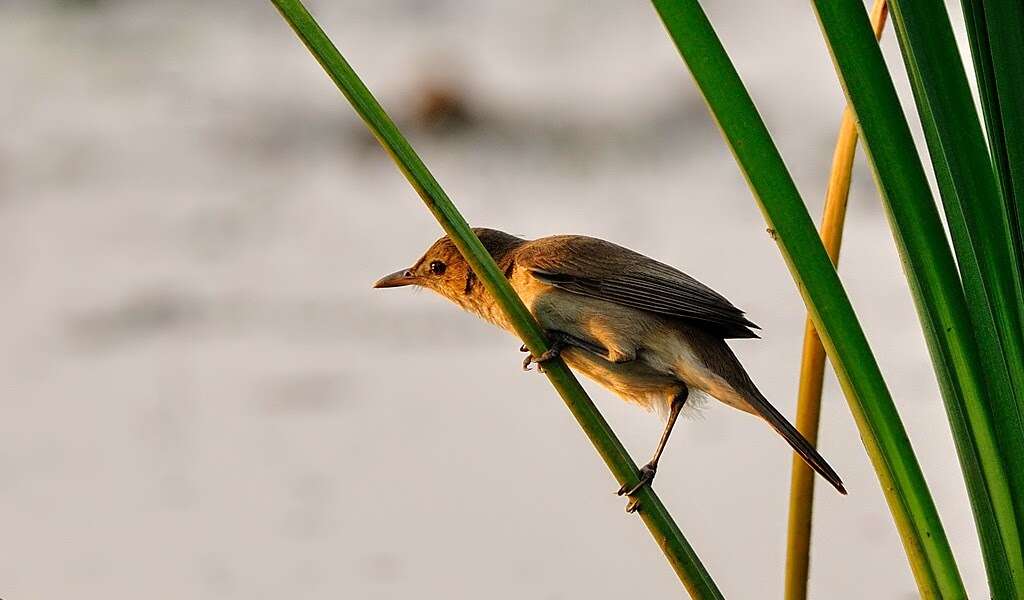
650,333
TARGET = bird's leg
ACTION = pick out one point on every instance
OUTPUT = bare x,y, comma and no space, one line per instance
559,341
648,471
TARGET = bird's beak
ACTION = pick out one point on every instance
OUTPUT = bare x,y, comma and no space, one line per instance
396,279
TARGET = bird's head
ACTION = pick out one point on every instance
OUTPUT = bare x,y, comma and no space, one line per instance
443,269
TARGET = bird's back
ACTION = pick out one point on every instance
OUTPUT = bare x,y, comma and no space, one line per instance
593,267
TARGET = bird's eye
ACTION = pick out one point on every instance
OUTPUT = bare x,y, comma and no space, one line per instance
437,267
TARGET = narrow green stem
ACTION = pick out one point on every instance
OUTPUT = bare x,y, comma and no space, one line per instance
881,429
654,514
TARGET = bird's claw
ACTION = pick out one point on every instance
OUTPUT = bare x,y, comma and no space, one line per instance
647,473
550,353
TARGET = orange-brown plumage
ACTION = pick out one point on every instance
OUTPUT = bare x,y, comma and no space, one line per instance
642,329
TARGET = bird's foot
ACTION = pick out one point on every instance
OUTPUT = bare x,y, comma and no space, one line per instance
647,473
550,353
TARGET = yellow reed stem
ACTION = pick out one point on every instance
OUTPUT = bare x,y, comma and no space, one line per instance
812,367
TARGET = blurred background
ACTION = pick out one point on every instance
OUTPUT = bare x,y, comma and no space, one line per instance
203,398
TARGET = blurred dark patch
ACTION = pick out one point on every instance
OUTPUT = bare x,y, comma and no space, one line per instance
305,393
135,319
382,567
441,109
442,106
436,107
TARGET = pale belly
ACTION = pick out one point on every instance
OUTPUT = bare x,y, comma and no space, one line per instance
633,381
650,360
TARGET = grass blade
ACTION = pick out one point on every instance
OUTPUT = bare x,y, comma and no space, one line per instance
664,530
812,367
1011,52
983,243
881,430
931,272
1004,22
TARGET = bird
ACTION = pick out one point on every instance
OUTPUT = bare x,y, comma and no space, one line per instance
647,332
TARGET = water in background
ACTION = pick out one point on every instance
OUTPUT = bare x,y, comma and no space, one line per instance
203,398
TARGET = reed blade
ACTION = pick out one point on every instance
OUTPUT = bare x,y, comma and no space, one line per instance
655,516
997,46
882,431
931,271
984,246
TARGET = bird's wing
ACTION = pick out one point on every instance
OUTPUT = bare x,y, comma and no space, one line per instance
600,269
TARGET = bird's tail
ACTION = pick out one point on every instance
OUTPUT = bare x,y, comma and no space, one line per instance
799,443
729,367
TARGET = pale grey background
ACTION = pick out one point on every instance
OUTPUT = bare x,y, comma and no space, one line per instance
203,398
